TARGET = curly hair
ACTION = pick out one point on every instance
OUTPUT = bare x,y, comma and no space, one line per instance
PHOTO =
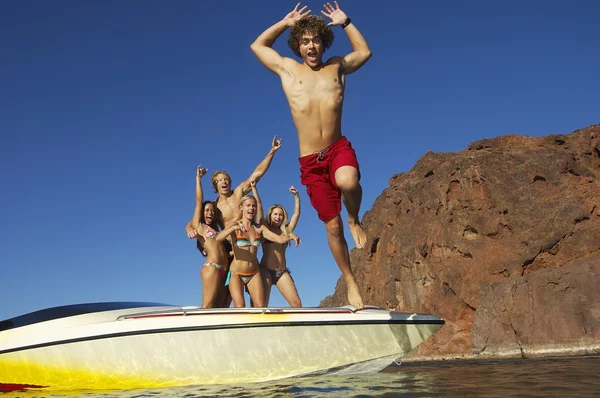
312,24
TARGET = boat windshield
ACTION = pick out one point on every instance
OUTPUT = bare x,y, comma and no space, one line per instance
70,310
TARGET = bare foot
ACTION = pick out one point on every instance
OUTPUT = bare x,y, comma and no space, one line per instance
354,294
358,234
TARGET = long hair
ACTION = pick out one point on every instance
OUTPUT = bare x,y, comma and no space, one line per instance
214,225
284,222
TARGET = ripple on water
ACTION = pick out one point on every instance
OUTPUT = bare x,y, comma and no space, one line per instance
491,378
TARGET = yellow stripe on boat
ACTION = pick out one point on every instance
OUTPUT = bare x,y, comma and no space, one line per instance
64,378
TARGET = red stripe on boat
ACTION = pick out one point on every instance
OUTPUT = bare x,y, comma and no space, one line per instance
7,387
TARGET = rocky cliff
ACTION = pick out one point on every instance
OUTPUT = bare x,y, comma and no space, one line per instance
501,239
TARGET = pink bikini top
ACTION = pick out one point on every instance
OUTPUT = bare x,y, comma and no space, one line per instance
211,233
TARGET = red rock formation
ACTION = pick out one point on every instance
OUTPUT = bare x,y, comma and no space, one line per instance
552,310
442,234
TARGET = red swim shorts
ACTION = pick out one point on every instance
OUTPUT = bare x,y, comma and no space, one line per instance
317,173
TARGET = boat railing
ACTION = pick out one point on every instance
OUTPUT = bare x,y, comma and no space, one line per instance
194,310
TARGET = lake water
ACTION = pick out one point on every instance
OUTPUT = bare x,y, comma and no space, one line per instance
561,377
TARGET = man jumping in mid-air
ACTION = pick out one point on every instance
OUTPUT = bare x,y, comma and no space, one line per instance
315,92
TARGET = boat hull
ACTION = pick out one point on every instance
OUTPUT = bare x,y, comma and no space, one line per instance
155,350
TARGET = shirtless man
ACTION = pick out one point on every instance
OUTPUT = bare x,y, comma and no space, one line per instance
315,92
228,201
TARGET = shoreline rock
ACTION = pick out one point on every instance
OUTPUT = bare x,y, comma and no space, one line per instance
547,352
471,235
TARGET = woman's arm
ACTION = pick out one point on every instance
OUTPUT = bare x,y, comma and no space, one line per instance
273,237
282,239
200,172
190,231
259,216
226,232
296,216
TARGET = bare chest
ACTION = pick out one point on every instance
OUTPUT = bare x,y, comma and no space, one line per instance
325,83
229,211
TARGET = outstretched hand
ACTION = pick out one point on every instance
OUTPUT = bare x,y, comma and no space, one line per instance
276,144
201,171
293,237
295,15
337,16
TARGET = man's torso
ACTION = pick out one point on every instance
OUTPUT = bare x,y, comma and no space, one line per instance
315,99
228,208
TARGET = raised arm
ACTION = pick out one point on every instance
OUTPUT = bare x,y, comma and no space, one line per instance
260,170
294,219
200,172
192,226
262,46
361,52
259,216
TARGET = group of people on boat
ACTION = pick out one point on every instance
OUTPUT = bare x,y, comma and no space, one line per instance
329,169
229,232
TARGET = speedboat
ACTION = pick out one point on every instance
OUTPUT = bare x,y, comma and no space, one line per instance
118,345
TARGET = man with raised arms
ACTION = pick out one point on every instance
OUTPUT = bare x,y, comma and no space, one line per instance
315,92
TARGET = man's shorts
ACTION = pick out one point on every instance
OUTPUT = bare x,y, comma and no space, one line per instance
317,173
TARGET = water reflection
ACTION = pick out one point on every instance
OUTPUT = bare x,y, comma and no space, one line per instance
498,378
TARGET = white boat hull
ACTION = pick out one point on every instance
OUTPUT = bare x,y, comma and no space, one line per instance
165,347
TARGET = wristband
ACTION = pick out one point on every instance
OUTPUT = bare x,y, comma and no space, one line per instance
347,22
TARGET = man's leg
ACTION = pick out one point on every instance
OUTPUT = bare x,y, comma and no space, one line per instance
339,249
347,180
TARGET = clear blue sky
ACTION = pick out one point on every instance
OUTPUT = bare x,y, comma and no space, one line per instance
107,107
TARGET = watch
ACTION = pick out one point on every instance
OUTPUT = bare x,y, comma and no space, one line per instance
347,22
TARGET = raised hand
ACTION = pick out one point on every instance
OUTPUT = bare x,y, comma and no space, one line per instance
276,144
295,15
201,172
336,14
293,190
253,183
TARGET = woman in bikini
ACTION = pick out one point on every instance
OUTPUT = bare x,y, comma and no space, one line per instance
273,260
213,272
246,237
